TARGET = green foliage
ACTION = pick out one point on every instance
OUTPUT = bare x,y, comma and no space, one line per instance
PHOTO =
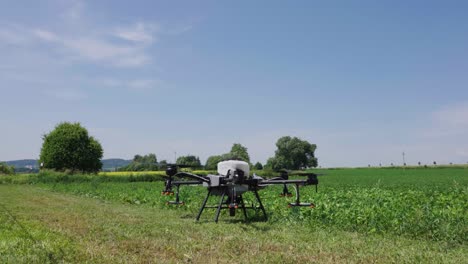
189,160
69,147
142,163
419,203
239,152
212,162
258,166
55,177
73,229
162,164
150,158
5,169
293,154
137,166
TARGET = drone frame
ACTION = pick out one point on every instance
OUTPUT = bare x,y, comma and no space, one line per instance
229,197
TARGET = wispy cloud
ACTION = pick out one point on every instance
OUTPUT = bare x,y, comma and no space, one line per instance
13,35
177,30
455,116
138,33
448,121
77,37
66,94
108,82
95,49
142,85
85,41
45,35
462,152
132,85
74,10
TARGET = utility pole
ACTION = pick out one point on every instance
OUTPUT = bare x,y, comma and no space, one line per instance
404,162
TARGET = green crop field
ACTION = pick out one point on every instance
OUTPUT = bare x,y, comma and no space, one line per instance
362,215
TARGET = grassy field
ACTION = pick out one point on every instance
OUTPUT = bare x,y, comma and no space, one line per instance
362,216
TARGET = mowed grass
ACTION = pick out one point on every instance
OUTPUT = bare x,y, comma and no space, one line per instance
39,226
362,216
418,203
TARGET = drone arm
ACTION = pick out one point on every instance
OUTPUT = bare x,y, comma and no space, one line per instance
197,178
297,183
186,182
311,180
268,182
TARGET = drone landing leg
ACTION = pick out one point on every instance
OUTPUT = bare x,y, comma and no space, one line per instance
243,207
286,192
261,205
297,194
177,201
204,204
298,202
177,194
220,205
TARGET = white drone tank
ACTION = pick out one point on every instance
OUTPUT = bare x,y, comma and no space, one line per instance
225,166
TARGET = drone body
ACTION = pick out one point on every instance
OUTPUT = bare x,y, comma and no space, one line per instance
230,174
231,182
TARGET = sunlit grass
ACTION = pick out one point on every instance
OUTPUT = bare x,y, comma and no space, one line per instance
39,226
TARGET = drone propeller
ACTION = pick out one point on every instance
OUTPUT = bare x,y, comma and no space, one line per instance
284,175
183,178
307,174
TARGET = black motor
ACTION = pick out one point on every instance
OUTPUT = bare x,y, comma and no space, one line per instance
312,179
171,170
236,176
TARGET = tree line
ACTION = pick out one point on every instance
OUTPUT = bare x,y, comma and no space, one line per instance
69,147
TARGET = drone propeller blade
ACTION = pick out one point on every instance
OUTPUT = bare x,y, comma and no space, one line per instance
305,173
180,165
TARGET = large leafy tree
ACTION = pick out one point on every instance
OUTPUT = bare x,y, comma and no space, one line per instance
212,162
239,152
69,147
189,160
293,153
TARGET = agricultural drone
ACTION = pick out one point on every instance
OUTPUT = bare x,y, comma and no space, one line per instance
233,180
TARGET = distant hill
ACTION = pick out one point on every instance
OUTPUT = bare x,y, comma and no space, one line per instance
112,164
32,164
26,163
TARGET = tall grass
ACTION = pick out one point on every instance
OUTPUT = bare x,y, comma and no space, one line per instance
419,203
65,178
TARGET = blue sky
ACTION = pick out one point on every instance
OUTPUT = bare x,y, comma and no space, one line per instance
364,80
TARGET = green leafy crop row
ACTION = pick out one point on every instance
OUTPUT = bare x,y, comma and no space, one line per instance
424,204
433,215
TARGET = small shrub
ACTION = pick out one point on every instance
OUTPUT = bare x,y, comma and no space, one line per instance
5,169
